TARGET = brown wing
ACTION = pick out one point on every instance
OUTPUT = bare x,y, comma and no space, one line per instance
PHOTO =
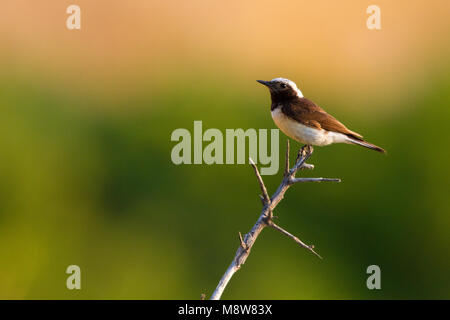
310,114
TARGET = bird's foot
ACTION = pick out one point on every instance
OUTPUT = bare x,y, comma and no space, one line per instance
304,151
308,148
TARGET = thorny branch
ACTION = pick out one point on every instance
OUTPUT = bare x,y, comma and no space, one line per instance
266,217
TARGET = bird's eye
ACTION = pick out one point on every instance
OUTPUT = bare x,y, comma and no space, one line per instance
283,85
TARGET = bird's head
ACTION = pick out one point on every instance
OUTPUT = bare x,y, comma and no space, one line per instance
281,87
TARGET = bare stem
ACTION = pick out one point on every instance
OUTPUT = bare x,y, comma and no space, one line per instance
286,168
266,217
298,180
260,180
300,242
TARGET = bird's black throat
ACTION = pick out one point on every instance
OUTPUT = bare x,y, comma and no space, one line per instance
282,97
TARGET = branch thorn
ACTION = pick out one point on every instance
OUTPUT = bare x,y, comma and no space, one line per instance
241,240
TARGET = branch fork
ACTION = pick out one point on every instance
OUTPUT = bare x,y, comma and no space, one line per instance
266,217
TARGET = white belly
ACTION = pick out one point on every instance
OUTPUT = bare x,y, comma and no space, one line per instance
305,134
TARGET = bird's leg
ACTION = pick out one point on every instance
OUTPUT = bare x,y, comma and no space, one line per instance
304,152
307,148
299,153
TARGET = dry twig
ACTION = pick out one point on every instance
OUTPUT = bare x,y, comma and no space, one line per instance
266,217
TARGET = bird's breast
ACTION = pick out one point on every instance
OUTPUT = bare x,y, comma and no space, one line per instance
302,133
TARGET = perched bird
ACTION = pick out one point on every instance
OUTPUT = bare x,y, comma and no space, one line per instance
306,122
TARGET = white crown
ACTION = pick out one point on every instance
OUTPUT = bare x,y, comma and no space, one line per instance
290,83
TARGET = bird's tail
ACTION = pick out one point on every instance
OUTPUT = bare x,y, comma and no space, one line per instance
366,144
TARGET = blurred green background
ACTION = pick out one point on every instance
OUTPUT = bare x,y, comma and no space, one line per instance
86,176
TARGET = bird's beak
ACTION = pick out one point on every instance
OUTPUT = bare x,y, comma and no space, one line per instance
266,83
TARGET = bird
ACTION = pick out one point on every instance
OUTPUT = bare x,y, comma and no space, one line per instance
304,121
